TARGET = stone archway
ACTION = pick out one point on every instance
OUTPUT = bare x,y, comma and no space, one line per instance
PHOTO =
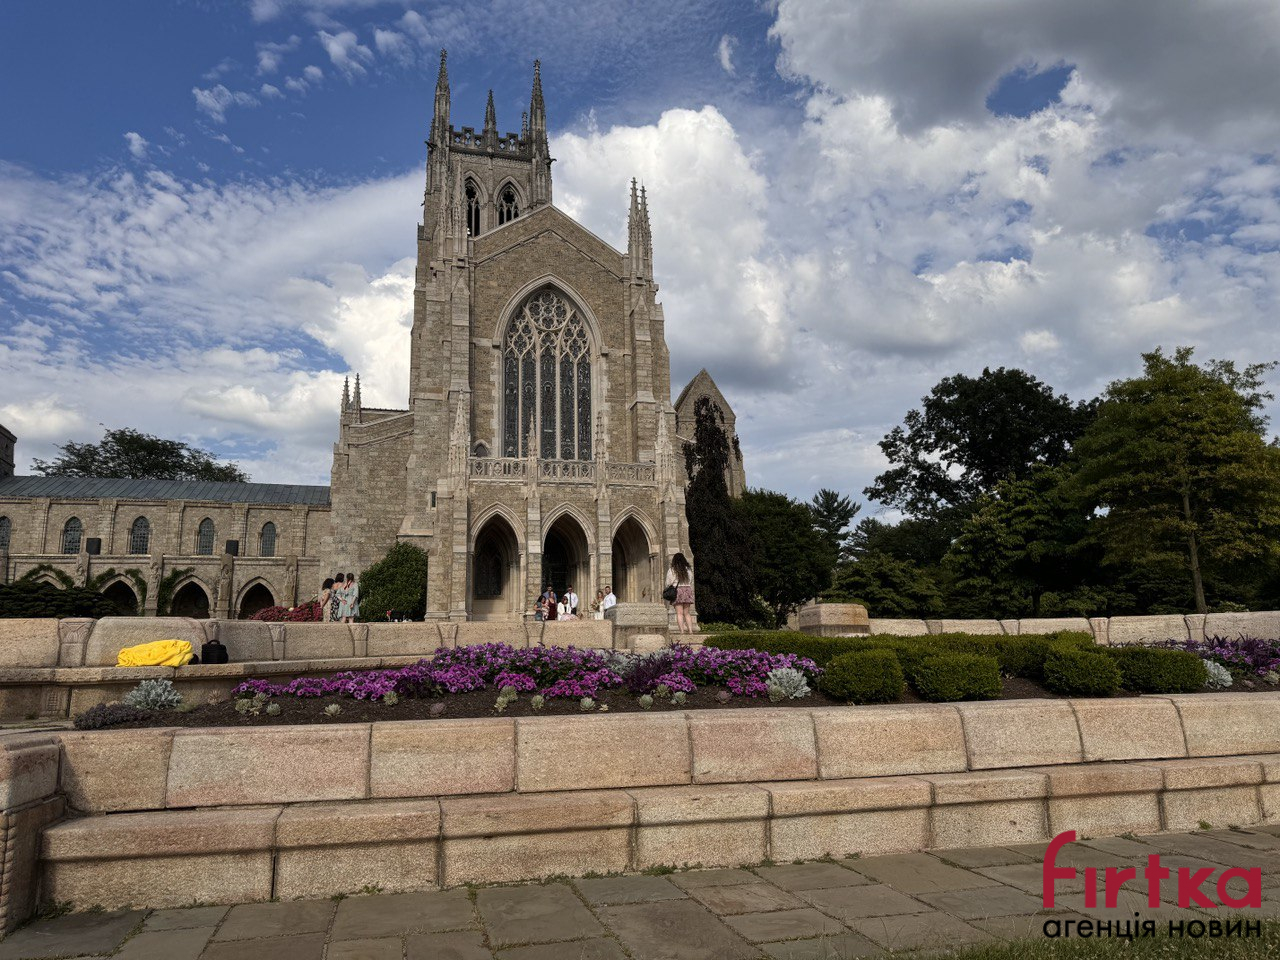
190,601
566,558
124,597
632,574
257,597
495,572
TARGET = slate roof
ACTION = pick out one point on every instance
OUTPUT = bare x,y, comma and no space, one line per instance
101,488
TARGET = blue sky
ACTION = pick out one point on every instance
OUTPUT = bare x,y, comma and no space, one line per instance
207,209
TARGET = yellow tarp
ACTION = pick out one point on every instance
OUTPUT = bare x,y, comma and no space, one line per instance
157,653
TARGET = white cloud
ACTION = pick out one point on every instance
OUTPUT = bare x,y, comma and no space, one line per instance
312,74
345,52
269,91
725,53
271,54
137,145
216,100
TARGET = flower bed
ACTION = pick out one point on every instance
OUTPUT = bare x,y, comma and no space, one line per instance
309,612
1249,662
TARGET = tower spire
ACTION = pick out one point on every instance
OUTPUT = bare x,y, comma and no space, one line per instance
538,141
356,398
346,393
440,117
490,125
646,238
634,233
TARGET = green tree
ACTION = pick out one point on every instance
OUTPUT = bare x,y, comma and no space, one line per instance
1178,467
971,433
396,583
832,514
131,454
1021,541
718,533
887,587
923,542
792,557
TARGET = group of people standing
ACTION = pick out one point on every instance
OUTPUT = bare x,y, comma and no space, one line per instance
678,592
340,599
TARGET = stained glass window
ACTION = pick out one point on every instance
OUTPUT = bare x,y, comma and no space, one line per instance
140,536
547,380
267,545
72,531
204,538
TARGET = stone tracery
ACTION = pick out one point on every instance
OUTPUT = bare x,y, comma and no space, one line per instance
546,360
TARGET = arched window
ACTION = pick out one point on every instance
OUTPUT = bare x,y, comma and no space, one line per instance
508,205
473,209
140,536
546,389
204,538
72,533
6,532
267,542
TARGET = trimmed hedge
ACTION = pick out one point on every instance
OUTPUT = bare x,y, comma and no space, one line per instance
1018,656
870,676
948,677
1081,673
1157,670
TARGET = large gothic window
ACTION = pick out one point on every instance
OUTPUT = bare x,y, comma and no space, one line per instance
508,205
473,209
6,531
546,380
140,536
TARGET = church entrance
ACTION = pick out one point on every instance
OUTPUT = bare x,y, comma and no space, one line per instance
632,576
495,572
566,560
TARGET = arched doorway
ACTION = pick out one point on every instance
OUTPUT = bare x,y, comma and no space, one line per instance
123,596
495,572
566,558
256,598
632,576
190,601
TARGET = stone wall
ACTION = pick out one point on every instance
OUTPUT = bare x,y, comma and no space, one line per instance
29,801
169,816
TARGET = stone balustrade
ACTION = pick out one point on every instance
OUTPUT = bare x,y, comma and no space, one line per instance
168,816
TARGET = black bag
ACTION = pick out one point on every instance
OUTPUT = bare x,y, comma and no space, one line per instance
213,652
669,594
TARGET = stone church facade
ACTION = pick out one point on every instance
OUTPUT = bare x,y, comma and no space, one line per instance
539,445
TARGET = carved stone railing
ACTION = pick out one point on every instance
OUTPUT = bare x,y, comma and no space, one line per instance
516,470
631,472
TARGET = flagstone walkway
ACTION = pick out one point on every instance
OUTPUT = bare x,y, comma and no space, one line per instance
930,902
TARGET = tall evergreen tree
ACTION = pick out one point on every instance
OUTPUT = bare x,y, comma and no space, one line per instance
832,514
718,533
1179,468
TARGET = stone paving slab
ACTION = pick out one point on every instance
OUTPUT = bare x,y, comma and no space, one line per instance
821,910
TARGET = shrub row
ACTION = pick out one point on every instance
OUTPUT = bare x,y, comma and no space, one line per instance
957,666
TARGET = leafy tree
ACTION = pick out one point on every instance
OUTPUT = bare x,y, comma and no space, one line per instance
131,454
923,542
793,559
1021,541
1178,466
718,533
832,514
887,587
397,582
971,433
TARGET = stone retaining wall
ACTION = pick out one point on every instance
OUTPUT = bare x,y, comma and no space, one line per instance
169,816
29,801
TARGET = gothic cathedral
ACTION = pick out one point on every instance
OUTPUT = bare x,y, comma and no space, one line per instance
540,445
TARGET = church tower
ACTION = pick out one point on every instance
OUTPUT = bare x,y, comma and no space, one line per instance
539,446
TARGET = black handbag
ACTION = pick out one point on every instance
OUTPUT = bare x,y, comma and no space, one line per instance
669,594
213,652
